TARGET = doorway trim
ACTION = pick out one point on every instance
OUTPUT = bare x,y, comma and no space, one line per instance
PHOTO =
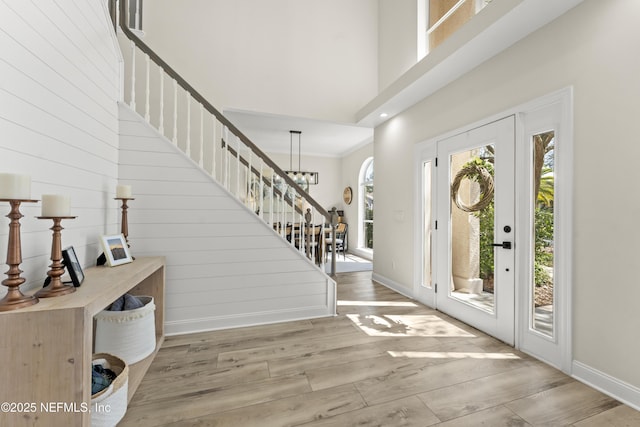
562,99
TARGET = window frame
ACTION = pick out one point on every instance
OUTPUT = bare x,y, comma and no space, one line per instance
362,221
425,29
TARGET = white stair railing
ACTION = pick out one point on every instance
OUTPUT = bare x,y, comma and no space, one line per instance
233,159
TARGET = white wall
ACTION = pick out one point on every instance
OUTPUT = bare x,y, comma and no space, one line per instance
397,38
592,49
59,84
225,267
300,58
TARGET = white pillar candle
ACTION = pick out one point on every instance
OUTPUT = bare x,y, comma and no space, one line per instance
14,186
55,205
123,192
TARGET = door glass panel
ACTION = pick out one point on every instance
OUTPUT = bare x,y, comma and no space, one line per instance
426,197
472,227
543,231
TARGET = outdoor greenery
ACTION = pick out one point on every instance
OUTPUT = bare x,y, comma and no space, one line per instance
486,216
543,216
543,245
543,164
543,249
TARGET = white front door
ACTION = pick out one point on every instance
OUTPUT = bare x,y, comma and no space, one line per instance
493,227
475,274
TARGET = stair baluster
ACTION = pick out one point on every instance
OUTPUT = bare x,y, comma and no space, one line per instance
161,114
175,112
133,75
187,150
214,138
147,91
201,149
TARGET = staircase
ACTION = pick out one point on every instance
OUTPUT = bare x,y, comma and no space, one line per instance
217,206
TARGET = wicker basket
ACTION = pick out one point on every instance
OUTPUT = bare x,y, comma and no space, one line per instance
108,406
129,334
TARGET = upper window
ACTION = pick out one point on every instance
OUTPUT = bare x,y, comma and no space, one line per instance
441,18
366,204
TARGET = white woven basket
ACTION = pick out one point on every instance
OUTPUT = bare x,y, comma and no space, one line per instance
129,334
109,405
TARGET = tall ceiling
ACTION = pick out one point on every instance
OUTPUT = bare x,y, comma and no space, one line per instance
271,134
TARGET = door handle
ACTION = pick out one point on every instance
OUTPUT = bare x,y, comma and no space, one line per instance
503,245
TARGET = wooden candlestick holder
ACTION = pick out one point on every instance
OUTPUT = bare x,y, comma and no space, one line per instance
14,298
124,225
56,288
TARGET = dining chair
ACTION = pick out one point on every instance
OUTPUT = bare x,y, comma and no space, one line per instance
341,240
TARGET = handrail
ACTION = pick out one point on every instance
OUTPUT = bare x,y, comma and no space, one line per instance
124,14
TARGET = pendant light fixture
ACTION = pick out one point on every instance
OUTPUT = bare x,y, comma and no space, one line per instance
300,177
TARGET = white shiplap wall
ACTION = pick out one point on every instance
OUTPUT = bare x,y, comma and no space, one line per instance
225,267
59,86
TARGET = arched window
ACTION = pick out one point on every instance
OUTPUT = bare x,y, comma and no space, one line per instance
365,197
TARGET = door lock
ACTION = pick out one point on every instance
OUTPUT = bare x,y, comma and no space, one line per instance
503,245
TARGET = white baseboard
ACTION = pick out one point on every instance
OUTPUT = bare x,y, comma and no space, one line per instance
190,326
366,254
385,281
625,393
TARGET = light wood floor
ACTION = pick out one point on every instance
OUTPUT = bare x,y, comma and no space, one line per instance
384,361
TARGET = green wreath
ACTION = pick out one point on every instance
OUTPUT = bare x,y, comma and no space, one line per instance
478,171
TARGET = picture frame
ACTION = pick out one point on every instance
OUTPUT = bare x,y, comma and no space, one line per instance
73,266
116,249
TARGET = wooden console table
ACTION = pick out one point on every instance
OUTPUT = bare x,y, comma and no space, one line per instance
46,349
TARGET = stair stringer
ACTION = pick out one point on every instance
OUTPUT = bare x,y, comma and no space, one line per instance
225,266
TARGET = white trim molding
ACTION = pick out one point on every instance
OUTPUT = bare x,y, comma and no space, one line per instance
189,326
395,286
362,253
625,393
